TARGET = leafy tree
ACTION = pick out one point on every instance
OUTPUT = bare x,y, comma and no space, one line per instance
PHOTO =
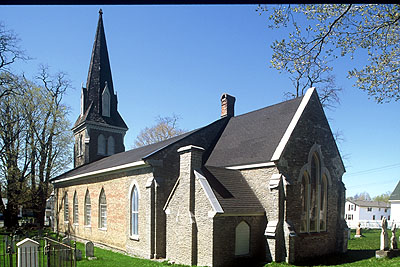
383,197
320,33
35,142
165,128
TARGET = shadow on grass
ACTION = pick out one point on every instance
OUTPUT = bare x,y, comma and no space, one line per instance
337,259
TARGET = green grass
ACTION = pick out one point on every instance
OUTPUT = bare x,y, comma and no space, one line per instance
361,253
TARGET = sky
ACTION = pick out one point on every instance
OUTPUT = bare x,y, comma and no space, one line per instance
168,60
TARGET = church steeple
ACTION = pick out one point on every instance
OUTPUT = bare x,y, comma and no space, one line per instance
99,125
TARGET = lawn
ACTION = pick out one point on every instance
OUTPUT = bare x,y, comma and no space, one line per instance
361,253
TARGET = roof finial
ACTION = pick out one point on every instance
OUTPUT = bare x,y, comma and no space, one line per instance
101,11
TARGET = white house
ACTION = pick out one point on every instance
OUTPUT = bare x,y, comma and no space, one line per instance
394,201
368,213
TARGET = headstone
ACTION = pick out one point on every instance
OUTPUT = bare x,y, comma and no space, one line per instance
89,249
393,241
78,254
28,254
384,235
358,231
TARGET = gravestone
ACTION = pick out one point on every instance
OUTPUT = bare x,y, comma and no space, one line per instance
89,249
28,254
384,235
358,231
78,254
393,242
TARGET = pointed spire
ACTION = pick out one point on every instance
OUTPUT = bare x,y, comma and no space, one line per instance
99,69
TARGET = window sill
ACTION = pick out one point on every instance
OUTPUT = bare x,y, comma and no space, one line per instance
88,226
134,237
102,229
76,224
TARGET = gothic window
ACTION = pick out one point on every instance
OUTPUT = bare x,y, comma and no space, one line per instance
134,211
88,209
75,208
66,211
323,203
106,102
102,210
314,194
101,145
110,146
304,202
242,239
80,144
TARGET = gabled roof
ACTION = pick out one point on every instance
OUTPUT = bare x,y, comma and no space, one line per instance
396,193
368,203
253,137
232,191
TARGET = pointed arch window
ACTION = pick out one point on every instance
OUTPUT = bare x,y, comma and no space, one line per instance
134,212
102,210
88,209
110,145
242,239
75,208
106,97
314,194
80,145
101,145
66,207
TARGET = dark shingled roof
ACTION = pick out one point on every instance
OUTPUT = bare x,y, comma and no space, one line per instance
253,137
232,191
396,193
367,203
122,158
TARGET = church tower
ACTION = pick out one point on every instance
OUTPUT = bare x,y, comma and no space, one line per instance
99,130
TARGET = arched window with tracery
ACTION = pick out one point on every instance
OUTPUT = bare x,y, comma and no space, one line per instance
110,145
134,212
75,208
305,184
101,145
66,207
314,194
323,203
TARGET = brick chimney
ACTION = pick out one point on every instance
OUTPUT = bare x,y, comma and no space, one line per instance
227,105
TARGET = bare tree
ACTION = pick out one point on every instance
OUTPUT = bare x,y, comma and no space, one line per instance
165,128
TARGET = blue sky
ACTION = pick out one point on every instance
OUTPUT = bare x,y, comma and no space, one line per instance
180,59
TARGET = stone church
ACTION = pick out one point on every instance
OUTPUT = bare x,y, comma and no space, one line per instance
265,185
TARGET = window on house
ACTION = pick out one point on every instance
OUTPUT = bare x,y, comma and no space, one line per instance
385,210
369,209
101,145
379,209
355,207
102,210
242,239
66,211
349,207
75,208
373,217
388,217
304,202
88,209
134,211
80,145
110,146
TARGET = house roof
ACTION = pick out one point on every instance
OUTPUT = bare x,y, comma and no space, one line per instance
232,191
367,203
253,137
396,193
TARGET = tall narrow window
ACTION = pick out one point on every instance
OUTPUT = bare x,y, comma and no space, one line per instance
66,207
242,239
75,208
314,183
110,146
304,202
106,101
80,145
88,209
102,210
323,203
101,145
134,211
